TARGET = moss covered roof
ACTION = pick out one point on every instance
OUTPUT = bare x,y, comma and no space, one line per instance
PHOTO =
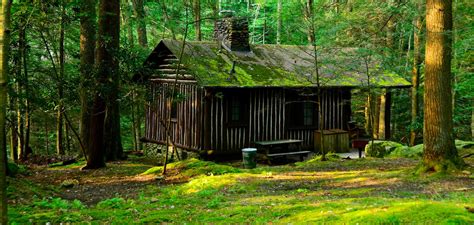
276,66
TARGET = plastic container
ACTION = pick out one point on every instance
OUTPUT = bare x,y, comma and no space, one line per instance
249,157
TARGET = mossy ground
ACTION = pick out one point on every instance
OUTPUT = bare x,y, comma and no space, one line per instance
335,191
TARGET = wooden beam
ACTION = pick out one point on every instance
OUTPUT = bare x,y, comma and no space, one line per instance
147,140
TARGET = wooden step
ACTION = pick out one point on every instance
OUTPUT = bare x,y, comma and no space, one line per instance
289,153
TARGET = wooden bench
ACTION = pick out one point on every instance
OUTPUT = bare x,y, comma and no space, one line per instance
269,147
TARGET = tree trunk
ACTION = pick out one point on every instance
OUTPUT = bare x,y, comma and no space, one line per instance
26,148
46,127
96,154
141,26
109,35
382,116
60,110
87,48
134,123
13,131
167,19
439,150
105,101
127,14
197,19
279,22
20,88
416,75
308,16
472,121
4,54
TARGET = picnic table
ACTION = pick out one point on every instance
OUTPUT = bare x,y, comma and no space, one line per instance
270,148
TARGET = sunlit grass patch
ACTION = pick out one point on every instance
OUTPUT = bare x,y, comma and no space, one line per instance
344,192
194,167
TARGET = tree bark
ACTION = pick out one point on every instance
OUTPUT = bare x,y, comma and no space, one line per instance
197,19
127,14
21,112
141,26
279,22
105,108
87,49
308,16
4,54
418,28
439,149
60,109
472,121
382,116
109,35
13,131
26,148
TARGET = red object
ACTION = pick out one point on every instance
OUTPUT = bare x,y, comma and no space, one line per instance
360,144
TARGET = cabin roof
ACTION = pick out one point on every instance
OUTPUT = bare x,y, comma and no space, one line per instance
276,66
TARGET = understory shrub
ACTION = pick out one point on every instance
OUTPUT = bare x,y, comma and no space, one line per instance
380,149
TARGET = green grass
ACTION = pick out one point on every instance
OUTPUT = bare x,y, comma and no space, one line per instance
369,191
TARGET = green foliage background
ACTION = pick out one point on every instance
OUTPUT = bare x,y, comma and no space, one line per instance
358,23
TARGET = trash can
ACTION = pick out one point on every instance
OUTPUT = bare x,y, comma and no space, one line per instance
249,156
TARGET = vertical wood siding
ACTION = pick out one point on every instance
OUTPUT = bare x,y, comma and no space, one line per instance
186,129
266,117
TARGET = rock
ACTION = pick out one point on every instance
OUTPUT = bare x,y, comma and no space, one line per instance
380,149
408,152
69,183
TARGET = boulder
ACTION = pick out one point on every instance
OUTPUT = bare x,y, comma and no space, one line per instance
407,152
380,149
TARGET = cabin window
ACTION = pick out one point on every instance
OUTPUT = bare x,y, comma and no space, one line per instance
235,110
237,113
301,115
308,114
174,111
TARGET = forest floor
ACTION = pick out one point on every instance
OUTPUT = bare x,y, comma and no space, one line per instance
336,191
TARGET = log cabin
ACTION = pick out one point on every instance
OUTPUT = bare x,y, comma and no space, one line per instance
230,94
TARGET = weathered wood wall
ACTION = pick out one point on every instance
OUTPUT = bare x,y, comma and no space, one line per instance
201,118
267,118
186,129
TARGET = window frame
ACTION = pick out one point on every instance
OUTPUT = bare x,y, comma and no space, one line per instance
295,115
243,104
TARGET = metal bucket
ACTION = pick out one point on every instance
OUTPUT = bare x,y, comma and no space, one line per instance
249,157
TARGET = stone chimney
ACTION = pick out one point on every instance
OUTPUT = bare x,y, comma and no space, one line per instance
233,33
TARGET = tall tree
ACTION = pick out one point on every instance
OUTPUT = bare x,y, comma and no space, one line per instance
439,149
279,22
141,26
60,81
197,18
4,53
87,48
104,115
127,14
107,64
416,73
308,16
